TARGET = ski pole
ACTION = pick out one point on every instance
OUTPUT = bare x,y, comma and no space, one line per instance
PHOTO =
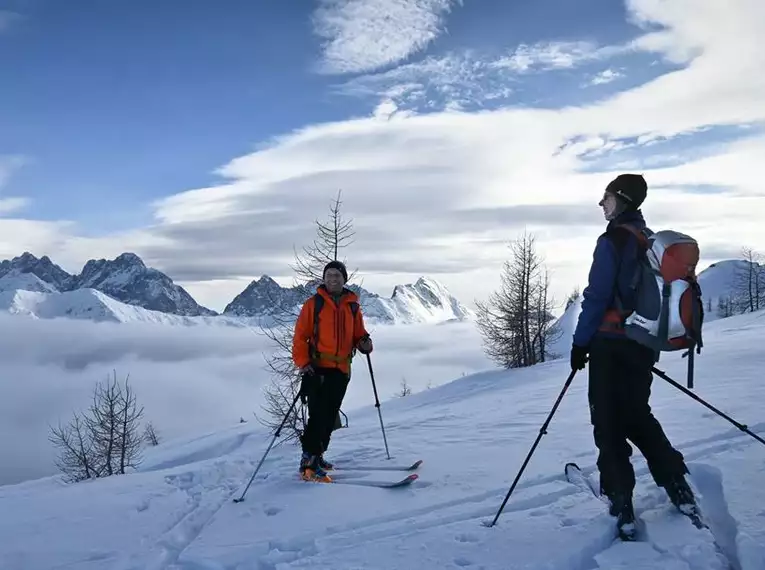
542,431
377,404
262,459
742,427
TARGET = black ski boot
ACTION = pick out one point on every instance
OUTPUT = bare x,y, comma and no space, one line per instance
682,497
621,508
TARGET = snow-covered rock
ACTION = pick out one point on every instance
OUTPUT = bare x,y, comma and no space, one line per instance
425,301
15,280
43,268
265,297
127,279
93,305
126,282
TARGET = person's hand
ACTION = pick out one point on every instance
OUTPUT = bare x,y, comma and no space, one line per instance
579,357
365,345
307,370
307,382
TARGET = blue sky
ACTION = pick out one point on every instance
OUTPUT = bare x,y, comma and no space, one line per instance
107,108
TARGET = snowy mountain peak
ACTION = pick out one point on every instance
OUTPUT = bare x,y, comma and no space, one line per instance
426,300
43,268
127,279
15,280
265,296
429,300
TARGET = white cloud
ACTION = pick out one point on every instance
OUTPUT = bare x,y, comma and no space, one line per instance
8,205
190,380
441,193
545,56
467,78
606,76
365,35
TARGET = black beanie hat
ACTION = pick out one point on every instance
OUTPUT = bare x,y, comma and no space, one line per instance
631,188
336,265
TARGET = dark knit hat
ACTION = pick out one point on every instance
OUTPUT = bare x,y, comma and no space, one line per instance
336,265
631,188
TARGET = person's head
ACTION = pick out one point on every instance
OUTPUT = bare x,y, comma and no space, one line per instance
625,192
335,276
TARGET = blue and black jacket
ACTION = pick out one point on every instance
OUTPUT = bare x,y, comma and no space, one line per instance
614,264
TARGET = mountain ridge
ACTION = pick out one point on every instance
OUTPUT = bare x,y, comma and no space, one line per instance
127,280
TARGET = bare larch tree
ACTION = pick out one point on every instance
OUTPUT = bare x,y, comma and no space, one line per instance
749,283
332,236
516,322
104,441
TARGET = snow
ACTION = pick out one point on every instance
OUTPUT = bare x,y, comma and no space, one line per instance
473,433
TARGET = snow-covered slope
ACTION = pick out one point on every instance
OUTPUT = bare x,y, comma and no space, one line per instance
473,435
14,280
425,301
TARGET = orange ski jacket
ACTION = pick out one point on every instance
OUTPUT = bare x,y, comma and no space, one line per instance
339,330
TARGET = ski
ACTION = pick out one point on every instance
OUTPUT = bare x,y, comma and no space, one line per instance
574,475
370,483
413,467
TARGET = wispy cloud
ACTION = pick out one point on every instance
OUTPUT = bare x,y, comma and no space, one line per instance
13,204
606,76
469,79
419,186
7,18
365,35
546,56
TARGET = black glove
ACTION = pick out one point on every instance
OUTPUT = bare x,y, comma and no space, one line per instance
579,357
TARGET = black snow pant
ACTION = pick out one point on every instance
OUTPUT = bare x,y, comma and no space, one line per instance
620,380
325,392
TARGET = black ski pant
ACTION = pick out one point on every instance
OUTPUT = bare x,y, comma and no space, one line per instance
325,391
620,380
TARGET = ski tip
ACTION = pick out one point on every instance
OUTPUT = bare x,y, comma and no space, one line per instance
571,465
415,465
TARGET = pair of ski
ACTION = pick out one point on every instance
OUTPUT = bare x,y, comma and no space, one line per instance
339,480
628,533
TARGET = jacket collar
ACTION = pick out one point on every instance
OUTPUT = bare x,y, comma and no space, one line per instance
633,217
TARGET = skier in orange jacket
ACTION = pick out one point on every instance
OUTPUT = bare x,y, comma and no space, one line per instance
322,348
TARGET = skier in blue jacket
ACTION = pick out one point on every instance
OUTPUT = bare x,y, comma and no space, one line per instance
620,373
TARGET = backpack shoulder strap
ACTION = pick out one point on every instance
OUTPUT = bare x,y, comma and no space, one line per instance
620,237
318,304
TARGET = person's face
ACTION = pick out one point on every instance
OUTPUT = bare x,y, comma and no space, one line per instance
333,280
609,205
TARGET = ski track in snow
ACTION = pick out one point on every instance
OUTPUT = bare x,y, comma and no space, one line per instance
673,542
177,512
